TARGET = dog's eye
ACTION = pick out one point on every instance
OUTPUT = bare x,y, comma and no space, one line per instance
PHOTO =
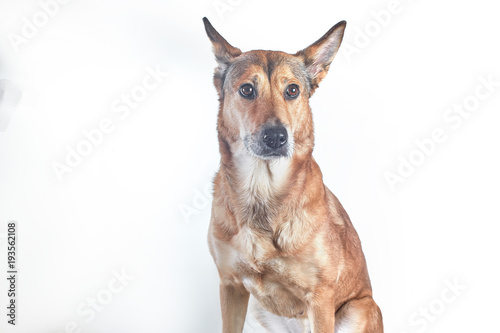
292,91
247,90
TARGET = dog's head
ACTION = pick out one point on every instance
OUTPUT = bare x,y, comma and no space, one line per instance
264,95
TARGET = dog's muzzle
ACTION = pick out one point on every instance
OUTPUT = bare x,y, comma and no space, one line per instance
269,142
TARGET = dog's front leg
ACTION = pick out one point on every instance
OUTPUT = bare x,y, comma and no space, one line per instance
321,312
234,303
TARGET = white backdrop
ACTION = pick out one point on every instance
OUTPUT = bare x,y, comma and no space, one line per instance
107,157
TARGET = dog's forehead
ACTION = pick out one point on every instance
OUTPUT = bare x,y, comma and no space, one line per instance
268,63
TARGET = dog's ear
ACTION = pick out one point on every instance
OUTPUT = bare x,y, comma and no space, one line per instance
224,53
318,56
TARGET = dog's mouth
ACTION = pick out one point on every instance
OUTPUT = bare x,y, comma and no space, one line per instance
269,143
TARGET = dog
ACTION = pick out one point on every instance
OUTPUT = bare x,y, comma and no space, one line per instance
276,232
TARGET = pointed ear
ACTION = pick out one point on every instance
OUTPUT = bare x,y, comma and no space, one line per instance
223,51
319,55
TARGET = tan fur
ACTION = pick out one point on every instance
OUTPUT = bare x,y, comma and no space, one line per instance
276,230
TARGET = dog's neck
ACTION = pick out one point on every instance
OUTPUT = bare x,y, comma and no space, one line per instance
260,179
257,189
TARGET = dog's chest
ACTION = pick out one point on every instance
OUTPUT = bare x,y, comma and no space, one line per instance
280,283
260,180
283,287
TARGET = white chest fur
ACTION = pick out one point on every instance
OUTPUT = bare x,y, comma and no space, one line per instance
260,179
280,284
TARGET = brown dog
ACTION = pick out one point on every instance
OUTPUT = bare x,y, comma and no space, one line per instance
276,230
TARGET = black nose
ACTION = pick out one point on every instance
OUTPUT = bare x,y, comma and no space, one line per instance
275,137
